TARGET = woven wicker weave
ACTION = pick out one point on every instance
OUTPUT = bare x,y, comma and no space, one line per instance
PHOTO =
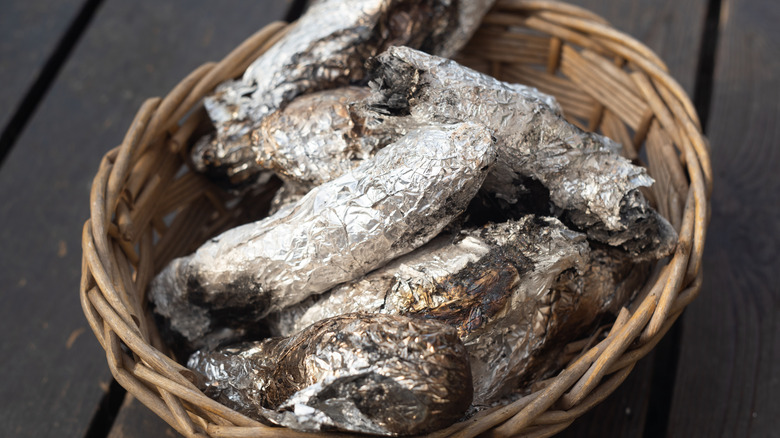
147,207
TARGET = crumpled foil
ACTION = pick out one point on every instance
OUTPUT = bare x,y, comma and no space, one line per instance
493,284
384,208
377,374
583,302
314,139
596,189
610,280
326,48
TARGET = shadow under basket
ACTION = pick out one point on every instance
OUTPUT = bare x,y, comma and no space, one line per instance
148,207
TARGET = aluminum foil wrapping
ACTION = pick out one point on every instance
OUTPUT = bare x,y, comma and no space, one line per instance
596,189
378,374
583,302
326,48
314,139
494,284
611,279
384,208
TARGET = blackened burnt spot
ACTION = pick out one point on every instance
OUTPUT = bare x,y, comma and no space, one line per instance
225,177
398,84
179,345
641,232
533,198
244,307
195,292
523,241
540,221
444,19
420,233
522,264
420,24
474,294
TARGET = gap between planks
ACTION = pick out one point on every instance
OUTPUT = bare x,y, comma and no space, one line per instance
46,77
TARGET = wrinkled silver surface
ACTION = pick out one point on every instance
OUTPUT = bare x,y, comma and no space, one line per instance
378,374
314,139
326,48
440,258
384,208
596,188
610,280
493,284
585,301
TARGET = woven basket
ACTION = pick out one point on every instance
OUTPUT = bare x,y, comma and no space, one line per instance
147,207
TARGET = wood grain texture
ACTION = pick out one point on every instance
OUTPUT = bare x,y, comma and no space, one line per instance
29,32
54,371
728,378
673,30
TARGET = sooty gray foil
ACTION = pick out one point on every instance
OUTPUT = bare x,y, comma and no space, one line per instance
326,48
609,282
596,189
386,207
377,374
493,284
287,195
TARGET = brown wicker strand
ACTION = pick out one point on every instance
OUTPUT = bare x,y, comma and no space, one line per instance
132,340
121,166
612,352
265,431
88,283
594,398
678,266
97,201
105,283
171,103
599,30
546,5
690,132
193,396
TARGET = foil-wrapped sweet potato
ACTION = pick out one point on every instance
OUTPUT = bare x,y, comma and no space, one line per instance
596,189
378,374
327,47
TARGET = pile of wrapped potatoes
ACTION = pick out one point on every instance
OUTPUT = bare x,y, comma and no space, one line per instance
439,235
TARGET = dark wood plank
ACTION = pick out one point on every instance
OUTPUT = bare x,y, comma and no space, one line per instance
54,371
728,378
673,30
29,32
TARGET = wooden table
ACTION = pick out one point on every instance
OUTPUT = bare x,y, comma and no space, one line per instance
74,72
